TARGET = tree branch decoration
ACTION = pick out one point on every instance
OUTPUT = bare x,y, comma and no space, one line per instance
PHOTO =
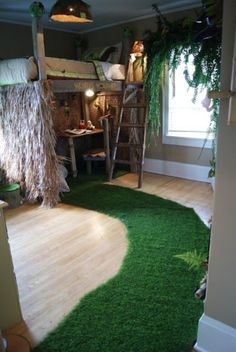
27,140
184,37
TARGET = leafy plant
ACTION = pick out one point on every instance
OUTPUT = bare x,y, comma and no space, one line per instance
36,9
212,170
183,37
194,259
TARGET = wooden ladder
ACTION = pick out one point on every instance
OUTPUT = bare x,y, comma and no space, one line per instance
133,100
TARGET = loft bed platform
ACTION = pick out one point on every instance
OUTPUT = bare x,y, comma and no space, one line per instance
77,76
66,75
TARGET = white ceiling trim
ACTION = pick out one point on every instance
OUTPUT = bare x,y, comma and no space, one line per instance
58,29
168,9
173,6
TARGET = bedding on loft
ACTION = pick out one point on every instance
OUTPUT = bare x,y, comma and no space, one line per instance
23,70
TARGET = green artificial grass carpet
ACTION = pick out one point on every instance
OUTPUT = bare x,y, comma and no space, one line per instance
149,305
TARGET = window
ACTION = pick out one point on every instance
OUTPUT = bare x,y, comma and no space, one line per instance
184,122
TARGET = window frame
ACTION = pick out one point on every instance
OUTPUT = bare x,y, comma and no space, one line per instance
176,140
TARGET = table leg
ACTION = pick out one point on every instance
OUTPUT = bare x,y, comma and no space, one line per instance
72,157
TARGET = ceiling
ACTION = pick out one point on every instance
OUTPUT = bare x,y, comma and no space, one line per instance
106,13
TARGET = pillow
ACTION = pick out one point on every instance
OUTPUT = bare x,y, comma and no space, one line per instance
15,71
113,71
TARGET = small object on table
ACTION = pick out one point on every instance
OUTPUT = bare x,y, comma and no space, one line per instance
76,131
90,126
82,124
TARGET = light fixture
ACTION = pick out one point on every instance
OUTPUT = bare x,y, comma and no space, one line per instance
89,93
71,11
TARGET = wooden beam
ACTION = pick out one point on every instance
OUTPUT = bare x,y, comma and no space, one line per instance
224,94
232,100
72,156
227,94
38,46
106,143
73,85
85,107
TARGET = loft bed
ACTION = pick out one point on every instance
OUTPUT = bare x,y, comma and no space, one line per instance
27,135
66,75
80,75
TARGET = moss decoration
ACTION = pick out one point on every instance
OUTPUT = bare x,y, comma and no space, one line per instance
165,47
36,9
127,32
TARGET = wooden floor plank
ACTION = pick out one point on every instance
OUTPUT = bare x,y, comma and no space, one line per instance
193,194
59,255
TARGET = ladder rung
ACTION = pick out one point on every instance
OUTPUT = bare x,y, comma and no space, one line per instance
134,83
119,161
135,105
127,162
124,124
128,145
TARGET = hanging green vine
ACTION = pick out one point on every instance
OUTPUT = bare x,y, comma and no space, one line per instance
183,37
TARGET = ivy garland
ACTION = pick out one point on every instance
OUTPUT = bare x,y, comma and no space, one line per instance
183,37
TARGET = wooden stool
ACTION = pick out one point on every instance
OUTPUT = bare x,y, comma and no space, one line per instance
102,154
92,156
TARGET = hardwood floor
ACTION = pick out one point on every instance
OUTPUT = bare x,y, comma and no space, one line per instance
62,253
193,194
59,255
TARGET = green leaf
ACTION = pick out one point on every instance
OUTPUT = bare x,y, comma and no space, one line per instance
193,259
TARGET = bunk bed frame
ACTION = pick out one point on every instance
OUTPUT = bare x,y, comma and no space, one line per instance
64,85
34,163
71,85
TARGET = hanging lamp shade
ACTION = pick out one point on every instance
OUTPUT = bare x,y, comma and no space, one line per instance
71,11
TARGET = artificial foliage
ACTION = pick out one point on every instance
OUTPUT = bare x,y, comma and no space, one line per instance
212,170
194,259
36,9
184,36
149,305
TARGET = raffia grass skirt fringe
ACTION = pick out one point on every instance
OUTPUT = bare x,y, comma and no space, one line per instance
27,140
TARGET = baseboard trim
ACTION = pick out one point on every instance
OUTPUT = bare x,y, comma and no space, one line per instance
182,170
214,336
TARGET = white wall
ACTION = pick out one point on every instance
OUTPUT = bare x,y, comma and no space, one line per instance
10,312
217,328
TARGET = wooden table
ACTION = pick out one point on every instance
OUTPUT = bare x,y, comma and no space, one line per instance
71,137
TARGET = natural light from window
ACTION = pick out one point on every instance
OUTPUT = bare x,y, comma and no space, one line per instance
183,118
